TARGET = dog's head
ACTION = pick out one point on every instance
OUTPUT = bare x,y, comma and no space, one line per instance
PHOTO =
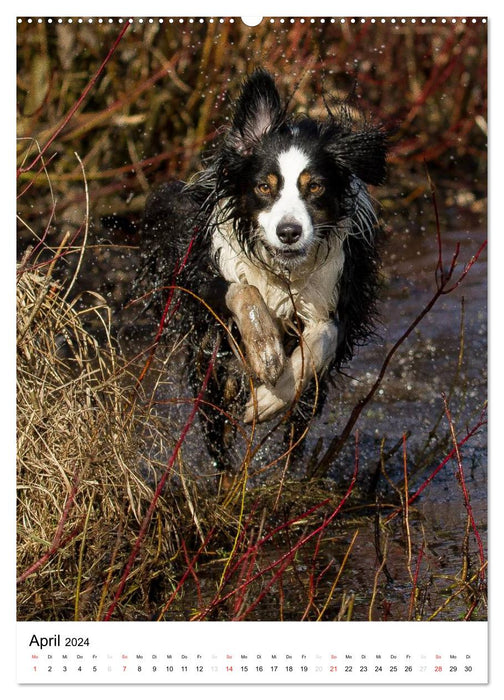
290,182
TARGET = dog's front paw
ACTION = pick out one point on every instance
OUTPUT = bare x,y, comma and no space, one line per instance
265,402
269,400
265,353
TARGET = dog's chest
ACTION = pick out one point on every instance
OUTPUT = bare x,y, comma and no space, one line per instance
310,292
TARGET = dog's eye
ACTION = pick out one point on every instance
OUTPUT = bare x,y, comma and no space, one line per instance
263,188
315,187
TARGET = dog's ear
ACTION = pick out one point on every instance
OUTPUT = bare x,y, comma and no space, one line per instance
258,111
363,153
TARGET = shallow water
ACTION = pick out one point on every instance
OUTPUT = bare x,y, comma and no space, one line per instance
445,355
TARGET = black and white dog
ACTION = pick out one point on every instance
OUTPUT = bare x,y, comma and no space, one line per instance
278,235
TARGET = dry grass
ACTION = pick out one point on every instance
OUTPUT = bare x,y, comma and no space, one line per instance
80,497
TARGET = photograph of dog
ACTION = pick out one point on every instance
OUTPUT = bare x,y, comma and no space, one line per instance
279,234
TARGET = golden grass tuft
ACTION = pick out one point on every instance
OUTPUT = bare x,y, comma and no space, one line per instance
80,494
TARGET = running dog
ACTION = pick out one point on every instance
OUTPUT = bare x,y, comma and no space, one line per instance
277,238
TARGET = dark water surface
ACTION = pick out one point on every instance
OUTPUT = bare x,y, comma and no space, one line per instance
445,355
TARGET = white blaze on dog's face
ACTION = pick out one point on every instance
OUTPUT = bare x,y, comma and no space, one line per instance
286,224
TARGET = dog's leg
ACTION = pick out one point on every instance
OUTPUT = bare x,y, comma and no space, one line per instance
259,332
316,349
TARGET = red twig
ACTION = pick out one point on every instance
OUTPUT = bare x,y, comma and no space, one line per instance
164,315
247,568
191,570
78,103
315,581
55,548
40,243
42,167
58,540
283,563
286,559
188,571
415,582
63,251
270,535
461,480
190,567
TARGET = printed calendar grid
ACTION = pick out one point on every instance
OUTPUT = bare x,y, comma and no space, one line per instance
252,653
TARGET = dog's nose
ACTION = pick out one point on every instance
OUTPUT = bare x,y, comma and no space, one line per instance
289,232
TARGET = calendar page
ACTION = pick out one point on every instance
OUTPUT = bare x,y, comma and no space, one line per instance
251,306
